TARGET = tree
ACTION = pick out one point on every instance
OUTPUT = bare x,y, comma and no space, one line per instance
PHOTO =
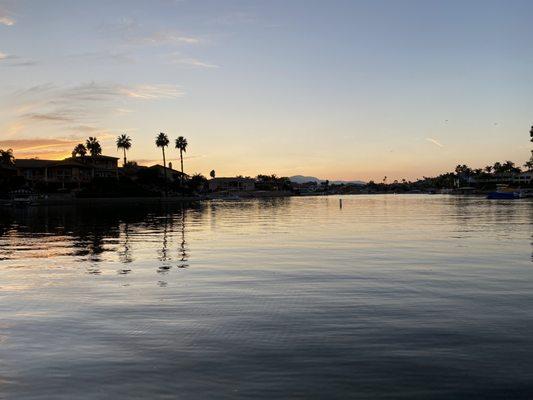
7,158
162,141
488,169
212,174
93,145
197,182
529,165
181,144
464,170
124,143
510,167
79,150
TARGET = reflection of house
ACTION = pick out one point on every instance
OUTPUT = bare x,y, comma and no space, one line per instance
238,184
172,174
69,170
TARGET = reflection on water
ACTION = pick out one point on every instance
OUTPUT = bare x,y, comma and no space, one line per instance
382,297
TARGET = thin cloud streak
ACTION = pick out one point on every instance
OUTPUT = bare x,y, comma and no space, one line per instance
178,59
435,142
132,32
11,60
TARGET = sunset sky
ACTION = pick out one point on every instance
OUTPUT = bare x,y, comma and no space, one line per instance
335,89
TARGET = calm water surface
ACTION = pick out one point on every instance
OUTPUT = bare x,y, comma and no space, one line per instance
390,297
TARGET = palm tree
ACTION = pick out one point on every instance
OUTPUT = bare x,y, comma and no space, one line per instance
529,165
79,150
93,145
124,143
7,158
162,141
181,144
488,169
212,174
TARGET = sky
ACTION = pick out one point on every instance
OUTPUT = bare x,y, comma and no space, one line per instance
338,89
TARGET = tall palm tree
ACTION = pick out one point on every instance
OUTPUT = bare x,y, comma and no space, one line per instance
93,145
124,143
162,141
181,144
79,150
6,157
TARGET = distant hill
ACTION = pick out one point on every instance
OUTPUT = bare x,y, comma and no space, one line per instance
305,179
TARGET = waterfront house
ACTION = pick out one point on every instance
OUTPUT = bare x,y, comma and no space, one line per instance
525,178
71,170
231,184
172,174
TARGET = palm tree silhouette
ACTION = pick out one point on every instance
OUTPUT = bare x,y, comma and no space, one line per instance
212,174
6,157
93,145
79,150
162,141
181,144
124,143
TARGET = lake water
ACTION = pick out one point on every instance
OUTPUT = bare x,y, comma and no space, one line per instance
388,297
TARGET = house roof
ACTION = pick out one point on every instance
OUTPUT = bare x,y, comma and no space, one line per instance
100,157
159,166
225,179
33,163
68,163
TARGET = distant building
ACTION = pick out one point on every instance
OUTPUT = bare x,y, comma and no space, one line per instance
233,184
525,178
507,178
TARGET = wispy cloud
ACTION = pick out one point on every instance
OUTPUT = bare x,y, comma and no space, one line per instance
6,16
133,32
8,21
82,108
41,147
15,61
435,142
179,59
117,57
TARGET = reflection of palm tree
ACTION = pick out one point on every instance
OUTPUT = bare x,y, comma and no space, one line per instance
183,249
124,143
164,249
125,255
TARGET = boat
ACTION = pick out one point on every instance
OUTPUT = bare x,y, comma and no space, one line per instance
22,198
503,196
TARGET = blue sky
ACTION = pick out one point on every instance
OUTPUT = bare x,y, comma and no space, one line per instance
335,89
